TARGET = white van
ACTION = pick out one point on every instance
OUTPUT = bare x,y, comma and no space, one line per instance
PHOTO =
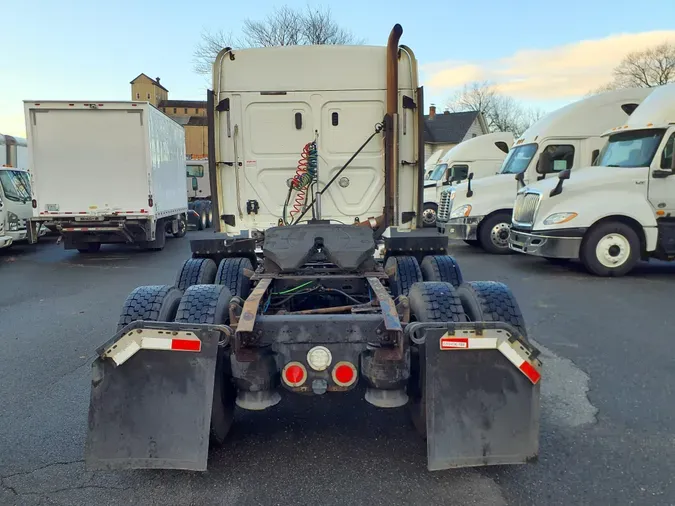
611,215
569,138
481,156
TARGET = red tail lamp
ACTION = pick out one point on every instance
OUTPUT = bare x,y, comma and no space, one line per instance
294,374
344,374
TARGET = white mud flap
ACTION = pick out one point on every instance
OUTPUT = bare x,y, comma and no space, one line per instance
482,395
151,398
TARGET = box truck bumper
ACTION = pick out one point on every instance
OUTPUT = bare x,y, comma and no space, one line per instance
547,243
5,241
98,229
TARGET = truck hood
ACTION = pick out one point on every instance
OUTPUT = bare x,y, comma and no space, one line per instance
487,183
590,179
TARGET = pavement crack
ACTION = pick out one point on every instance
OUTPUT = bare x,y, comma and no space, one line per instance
8,487
46,466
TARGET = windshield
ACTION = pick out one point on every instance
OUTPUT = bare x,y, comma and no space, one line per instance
438,172
15,185
630,149
195,171
518,159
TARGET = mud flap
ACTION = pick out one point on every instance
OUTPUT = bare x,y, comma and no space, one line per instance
153,409
482,396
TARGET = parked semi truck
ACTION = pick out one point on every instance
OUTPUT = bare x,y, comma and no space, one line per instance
15,190
481,156
316,313
107,172
571,137
613,214
199,193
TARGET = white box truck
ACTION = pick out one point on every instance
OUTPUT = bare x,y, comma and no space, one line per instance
481,156
107,172
480,212
613,214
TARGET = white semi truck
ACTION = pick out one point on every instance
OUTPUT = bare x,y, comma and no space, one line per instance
569,138
615,213
199,192
15,190
106,172
481,156
315,312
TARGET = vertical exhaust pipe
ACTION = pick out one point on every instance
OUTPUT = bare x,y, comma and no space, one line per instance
390,140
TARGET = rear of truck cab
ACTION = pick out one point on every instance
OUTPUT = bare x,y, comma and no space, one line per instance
316,311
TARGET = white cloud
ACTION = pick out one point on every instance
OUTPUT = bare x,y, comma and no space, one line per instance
558,73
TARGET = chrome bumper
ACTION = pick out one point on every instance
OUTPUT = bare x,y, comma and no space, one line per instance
460,228
5,241
544,245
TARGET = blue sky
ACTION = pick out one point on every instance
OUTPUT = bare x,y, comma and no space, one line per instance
88,49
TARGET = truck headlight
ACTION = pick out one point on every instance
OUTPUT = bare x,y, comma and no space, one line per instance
452,194
13,221
559,218
464,210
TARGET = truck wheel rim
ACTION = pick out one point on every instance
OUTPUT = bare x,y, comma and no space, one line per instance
612,250
500,235
429,216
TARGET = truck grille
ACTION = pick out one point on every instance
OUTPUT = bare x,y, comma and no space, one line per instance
444,206
526,206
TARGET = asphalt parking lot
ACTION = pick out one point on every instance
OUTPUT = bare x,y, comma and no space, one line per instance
607,427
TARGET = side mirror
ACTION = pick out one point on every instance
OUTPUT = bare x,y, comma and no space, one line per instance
661,173
564,174
195,184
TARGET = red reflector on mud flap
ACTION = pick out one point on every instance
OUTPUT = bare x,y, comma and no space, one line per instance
186,345
151,339
530,372
513,351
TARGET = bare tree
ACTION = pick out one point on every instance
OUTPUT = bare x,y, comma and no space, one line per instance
284,26
501,112
644,69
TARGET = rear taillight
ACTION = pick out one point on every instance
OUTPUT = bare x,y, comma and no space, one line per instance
151,203
294,374
34,204
344,374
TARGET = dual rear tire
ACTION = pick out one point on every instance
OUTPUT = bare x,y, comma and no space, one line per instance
437,301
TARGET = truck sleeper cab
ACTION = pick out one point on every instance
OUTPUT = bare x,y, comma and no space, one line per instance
479,212
614,214
481,156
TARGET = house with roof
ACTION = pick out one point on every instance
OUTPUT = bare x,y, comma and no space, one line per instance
443,131
189,113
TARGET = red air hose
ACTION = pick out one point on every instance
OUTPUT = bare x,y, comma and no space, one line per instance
301,180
